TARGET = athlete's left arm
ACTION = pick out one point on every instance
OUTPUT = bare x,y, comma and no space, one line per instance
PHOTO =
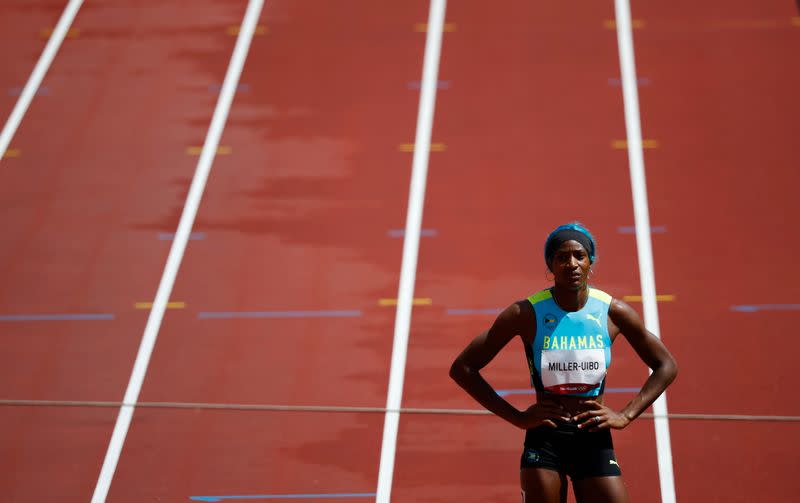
652,352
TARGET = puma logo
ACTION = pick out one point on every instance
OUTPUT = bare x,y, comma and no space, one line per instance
594,320
612,462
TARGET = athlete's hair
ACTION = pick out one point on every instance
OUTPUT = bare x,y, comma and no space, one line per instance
573,231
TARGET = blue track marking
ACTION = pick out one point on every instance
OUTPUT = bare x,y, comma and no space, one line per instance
169,236
283,496
442,84
642,81
241,88
353,313
461,312
752,308
57,317
630,229
531,391
425,233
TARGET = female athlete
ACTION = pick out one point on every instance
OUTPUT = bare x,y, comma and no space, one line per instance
567,331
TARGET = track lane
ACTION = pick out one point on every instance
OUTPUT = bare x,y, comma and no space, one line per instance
721,105
77,237
721,125
172,455
99,159
296,218
535,150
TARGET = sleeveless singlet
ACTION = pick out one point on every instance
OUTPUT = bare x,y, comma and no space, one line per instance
572,350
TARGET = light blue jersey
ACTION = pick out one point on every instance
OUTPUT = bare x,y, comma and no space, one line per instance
571,352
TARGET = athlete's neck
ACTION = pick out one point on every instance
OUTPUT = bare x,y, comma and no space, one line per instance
570,300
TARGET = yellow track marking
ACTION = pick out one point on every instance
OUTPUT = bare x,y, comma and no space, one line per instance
234,30
221,150
623,144
170,305
48,32
611,24
638,298
423,27
409,147
415,302
12,152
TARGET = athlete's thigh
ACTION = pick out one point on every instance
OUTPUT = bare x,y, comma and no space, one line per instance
600,490
541,485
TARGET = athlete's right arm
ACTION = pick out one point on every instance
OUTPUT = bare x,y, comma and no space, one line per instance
465,370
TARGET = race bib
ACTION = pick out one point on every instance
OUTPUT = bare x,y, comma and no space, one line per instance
573,371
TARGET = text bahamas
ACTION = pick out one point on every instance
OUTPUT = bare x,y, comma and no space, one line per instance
573,342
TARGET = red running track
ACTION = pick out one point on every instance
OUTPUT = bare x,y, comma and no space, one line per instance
296,217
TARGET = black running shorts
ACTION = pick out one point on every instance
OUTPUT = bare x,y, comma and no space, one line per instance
569,450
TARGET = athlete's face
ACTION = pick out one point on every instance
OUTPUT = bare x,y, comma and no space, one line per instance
570,266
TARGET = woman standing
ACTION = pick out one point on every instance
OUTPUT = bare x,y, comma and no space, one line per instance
567,331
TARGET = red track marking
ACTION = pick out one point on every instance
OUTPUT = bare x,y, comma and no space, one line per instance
235,452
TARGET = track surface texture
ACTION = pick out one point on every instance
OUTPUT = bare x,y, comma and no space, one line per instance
285,294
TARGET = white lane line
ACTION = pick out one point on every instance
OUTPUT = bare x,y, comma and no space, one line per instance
39,71
178,246
408,269
642,220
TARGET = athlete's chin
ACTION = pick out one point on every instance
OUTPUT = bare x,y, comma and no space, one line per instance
572,284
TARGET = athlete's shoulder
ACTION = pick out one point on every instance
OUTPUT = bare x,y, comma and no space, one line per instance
600,295
514,319
519,310
619,310
540,296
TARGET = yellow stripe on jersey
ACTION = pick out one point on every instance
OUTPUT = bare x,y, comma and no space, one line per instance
600,295
540,296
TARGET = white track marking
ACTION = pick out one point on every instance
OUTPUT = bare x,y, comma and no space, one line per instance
178,246
408,269
643,244
39,71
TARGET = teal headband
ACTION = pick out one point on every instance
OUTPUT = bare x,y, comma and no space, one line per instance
569,232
